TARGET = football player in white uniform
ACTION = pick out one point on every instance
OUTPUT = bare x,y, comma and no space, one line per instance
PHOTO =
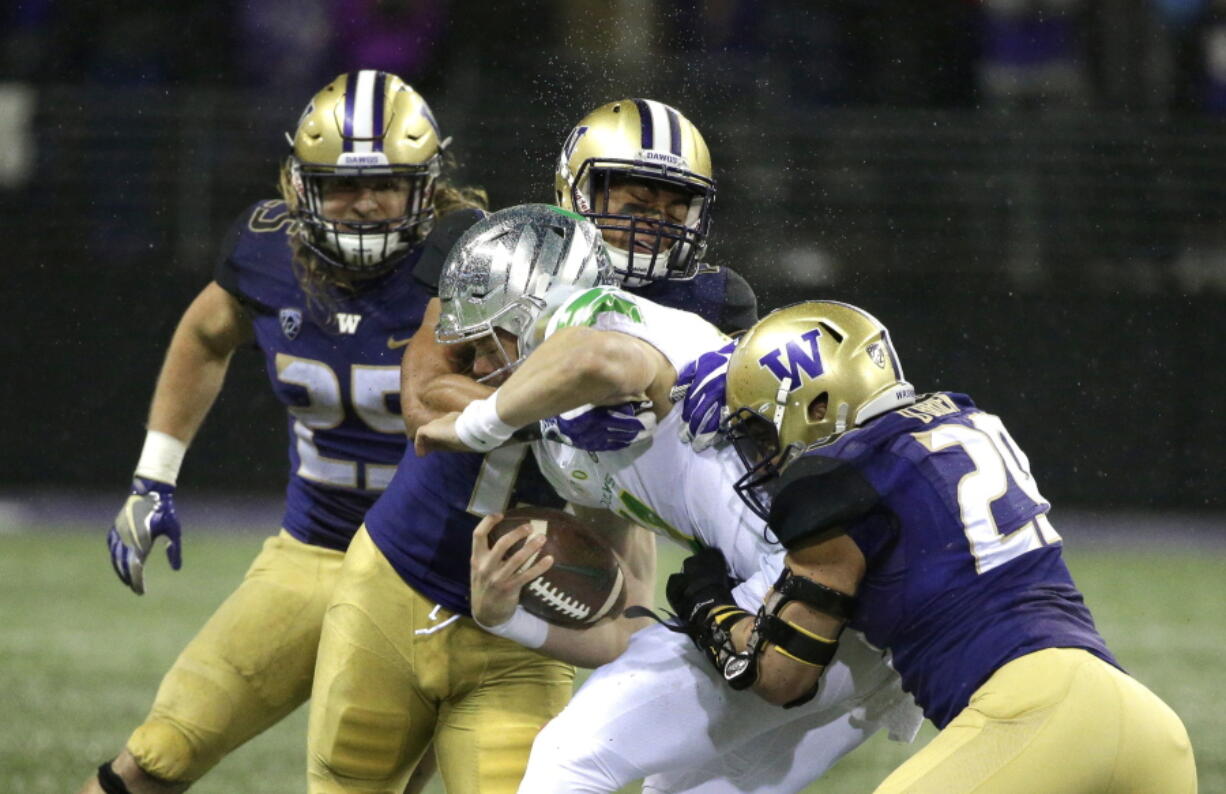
658,711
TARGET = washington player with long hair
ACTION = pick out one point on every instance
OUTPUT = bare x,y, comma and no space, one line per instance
321,282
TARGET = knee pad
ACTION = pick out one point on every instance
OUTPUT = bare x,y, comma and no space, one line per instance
165,752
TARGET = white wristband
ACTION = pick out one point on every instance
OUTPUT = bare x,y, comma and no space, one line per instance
480,427
161,457
523,627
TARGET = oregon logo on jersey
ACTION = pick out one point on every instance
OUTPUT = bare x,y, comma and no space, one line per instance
584,308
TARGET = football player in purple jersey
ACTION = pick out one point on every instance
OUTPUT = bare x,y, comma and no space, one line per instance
642,174
320,281
917,521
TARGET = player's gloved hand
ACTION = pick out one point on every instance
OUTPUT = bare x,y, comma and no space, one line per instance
601,428
701,595
701,386
701,584
149,513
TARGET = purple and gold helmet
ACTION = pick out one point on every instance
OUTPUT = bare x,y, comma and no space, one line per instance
364,125
648,141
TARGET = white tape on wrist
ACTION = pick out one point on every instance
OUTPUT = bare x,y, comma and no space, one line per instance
523,627
161,457
480,427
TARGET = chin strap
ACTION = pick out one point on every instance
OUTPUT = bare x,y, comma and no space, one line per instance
111,783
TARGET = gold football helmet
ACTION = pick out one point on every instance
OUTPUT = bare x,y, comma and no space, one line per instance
361,125
800,378
640,139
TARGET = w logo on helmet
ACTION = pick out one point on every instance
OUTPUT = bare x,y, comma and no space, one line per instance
789,360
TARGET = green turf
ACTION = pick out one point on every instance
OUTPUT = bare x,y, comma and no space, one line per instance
80,657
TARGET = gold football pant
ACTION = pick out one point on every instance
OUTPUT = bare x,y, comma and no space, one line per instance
396,670
247,668
1057,721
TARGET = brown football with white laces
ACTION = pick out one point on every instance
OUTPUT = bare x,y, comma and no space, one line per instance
585,583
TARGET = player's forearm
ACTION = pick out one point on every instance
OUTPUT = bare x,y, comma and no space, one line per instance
780,679
835,563
574,367
444,394
188,385
608,638
196,362
431,383
595,646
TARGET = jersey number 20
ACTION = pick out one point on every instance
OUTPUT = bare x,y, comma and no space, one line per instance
997,459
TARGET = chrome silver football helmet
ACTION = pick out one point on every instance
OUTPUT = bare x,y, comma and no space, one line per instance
508,269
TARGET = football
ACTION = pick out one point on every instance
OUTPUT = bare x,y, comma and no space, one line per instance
585,583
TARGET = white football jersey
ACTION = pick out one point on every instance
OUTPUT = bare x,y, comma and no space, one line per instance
661,483
659,711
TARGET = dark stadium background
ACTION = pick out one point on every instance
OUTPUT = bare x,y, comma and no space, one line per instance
1030,193
1041,227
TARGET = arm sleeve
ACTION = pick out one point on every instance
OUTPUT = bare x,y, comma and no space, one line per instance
448,229
817,497
740,304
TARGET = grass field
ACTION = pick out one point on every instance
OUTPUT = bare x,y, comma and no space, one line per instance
80,657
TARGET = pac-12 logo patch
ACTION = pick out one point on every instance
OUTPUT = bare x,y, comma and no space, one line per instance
799,354
291,323
876,354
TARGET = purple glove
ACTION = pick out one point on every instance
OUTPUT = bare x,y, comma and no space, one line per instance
148,514
601,428
701,386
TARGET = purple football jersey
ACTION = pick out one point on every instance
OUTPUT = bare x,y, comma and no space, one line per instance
964,570
338,376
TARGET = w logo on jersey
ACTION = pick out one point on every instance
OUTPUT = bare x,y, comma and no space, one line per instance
789,360
348,323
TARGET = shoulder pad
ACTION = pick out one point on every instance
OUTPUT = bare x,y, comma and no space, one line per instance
247,234
817,496
740,304
588,307
447,230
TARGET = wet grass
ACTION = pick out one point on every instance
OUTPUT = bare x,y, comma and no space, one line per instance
80,657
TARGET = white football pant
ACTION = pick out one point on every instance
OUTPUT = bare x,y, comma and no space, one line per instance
661,712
